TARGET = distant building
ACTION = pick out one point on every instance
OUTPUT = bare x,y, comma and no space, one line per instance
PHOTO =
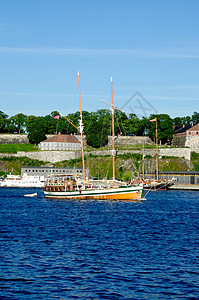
60,142
193,131
192,138
179,136
46,171
187,136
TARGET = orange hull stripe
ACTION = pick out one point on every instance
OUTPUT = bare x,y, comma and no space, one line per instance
124,196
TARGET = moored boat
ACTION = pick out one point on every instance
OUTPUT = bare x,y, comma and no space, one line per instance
22,182
30,195
69,187
163,184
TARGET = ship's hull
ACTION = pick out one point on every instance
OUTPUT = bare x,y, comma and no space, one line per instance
121,193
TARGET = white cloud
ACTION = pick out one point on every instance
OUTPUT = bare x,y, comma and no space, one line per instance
153,53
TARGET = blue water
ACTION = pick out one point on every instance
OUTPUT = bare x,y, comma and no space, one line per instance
55,249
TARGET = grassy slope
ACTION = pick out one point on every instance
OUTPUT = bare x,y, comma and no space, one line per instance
14,148
99,166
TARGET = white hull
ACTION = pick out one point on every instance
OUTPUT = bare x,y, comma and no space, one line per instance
24,182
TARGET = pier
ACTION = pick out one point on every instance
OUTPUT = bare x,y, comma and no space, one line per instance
181,186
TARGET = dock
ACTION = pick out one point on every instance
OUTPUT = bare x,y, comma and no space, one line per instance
181,186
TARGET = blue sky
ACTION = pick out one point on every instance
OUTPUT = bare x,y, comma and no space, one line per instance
147,46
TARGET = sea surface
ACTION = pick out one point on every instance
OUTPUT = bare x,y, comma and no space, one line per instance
64,249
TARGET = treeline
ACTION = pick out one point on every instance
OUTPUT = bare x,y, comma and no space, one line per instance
97,125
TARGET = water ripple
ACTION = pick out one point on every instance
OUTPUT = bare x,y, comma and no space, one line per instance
53,249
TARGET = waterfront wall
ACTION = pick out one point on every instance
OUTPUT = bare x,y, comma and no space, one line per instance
56,156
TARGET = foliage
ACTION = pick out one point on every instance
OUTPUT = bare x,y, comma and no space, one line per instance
194,156
135,156
164,127
3,118
195,160
97,131
178,121
195,118
13,164
19,122
37,129
100,120
126,176
186,120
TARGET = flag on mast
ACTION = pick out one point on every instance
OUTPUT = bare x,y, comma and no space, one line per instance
56,117
153,120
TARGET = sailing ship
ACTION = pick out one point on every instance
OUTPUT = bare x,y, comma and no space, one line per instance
69,187
155,184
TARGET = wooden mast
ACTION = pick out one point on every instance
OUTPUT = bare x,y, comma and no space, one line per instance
113,134
81,129
143,158
156,149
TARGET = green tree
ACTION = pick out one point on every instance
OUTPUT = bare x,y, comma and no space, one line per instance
10,126
120,119
143,126
3,118
164,126
195,117
178,121
134,124
186,120
97,134
36,130
29,122
74,118
19,121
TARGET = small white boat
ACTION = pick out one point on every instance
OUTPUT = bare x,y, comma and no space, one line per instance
30,195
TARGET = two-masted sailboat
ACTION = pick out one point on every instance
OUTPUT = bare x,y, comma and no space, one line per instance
155,184
69,187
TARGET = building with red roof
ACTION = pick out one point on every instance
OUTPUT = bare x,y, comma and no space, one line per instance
60,142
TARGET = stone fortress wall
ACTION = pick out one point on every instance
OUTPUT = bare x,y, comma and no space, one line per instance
55,156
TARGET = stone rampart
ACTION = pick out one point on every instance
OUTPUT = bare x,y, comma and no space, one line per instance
14,139
131,140
51,156
193,143
56,156
177,152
